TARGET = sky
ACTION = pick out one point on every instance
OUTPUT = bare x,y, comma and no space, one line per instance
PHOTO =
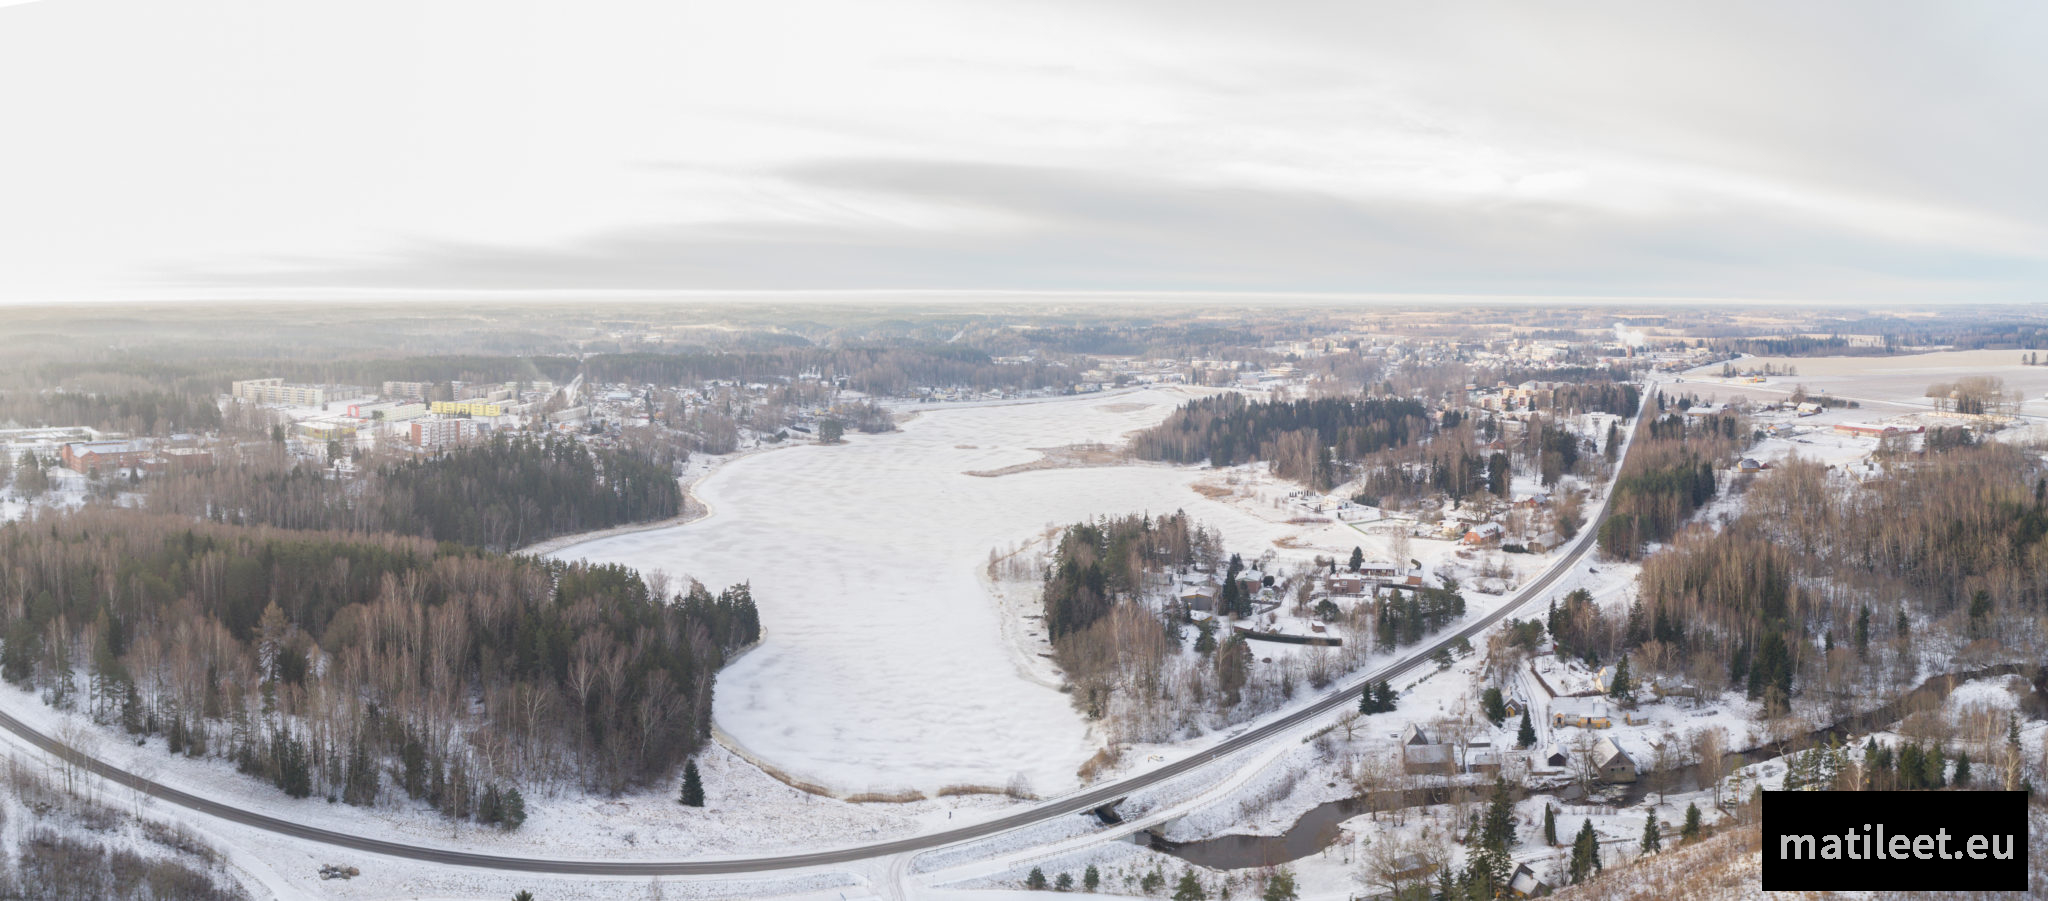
1850,152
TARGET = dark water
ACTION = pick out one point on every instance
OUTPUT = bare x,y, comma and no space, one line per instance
1320,825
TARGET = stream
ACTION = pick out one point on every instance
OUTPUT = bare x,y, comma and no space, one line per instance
1322,824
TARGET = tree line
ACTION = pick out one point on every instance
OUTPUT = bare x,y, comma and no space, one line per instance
1307,441
505,493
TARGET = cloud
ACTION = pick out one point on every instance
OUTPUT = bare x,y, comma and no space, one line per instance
1058,229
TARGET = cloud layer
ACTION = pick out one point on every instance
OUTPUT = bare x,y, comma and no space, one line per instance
1740,150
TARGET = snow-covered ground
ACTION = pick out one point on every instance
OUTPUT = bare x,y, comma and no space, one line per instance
884,665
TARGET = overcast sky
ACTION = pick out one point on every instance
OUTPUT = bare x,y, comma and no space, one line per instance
1861,151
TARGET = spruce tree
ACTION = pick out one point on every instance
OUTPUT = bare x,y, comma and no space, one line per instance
1549,825
1091,878
1357,558
1036,880
1190,888
1691,830
1525,736
1585,854
1499,830
693,786
1280,887
1495,706
514,814
1653,834
1065,883
1623,687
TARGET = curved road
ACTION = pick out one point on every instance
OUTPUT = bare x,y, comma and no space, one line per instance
1058,807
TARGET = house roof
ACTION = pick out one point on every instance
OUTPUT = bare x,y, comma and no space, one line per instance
1608,753
1412,734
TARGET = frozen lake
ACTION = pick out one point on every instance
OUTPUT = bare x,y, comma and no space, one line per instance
883,665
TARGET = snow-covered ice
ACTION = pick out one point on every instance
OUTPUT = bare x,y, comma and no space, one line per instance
883,666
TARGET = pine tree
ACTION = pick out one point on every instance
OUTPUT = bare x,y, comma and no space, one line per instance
693,786
1065,883
1496,708
1036,880
1963,770
523,895
1549,825
1525,736
1190,888
1653,834
1091,878
1691,830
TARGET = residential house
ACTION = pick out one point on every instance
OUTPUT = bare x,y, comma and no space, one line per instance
1524,884
1586,713
1611,763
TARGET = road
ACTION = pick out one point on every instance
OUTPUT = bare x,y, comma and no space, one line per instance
1064,806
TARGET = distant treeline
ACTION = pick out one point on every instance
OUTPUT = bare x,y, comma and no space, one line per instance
1297,437
136,412
326,662
502,494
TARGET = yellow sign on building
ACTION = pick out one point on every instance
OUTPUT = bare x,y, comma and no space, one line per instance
471,408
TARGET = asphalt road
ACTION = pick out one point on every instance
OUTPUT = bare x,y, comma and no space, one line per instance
1065,806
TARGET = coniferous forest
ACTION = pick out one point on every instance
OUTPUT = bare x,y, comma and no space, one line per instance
365,666
501,495
1307,441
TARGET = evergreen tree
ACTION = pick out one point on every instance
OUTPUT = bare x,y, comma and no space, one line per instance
1357,558
1691,830
1190,888
1496,707
693,786
514,813
1447,886
1280,887
1065,883
1623,687
1035,881
1549,825
1498,831
1653,834
1525,736
1963,769
1585,858
1090,878
1487,872
1863,631
523,895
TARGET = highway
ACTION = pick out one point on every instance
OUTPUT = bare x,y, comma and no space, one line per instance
1058,807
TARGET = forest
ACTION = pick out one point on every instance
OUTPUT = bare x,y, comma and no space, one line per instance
500,495
1307,441
1669,474
365,666
137,411
1833,589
